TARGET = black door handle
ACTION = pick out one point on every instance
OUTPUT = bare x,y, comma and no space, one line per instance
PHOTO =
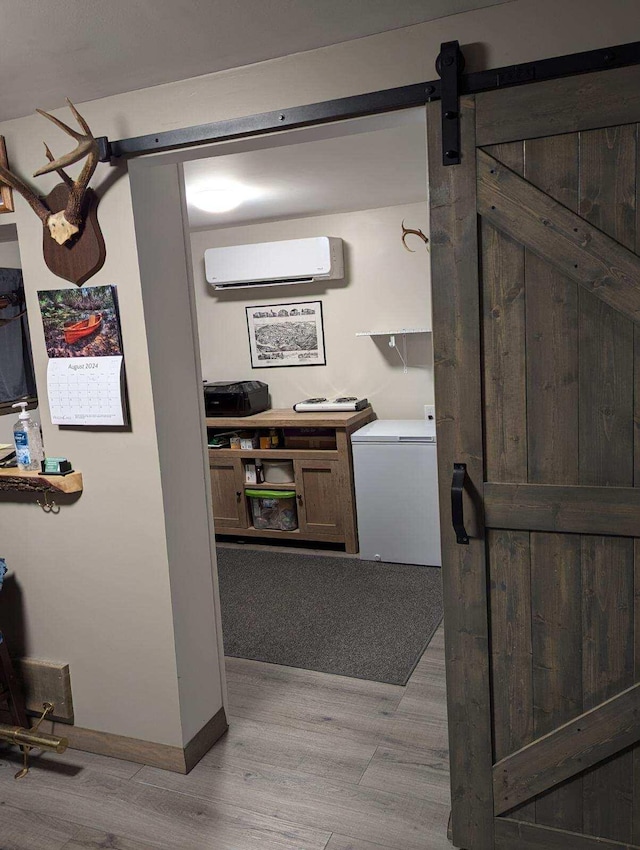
457,509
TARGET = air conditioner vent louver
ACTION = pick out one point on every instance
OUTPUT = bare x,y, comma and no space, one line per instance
275,263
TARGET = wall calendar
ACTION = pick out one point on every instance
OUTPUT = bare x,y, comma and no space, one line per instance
85,373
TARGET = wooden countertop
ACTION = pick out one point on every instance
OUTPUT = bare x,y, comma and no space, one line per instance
288,418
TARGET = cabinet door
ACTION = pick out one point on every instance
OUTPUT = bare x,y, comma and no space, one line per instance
320,495
227,492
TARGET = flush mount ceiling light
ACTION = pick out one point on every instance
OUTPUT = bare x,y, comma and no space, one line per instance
219,199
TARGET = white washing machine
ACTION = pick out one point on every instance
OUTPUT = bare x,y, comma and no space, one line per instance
396,483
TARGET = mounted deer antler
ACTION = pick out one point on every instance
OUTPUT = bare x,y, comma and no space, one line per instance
64,224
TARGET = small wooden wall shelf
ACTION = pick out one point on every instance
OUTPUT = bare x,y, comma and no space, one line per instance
18,481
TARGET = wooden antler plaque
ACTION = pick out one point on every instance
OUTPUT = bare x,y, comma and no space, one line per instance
81,258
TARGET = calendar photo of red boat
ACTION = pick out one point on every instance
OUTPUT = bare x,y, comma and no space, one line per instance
81,322
78,330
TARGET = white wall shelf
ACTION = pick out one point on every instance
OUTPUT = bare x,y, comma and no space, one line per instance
395,333
392,340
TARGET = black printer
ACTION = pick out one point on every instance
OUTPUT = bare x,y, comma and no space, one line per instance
236,398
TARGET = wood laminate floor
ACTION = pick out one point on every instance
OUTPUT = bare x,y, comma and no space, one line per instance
311,762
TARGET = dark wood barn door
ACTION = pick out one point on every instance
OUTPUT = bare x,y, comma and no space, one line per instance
536,291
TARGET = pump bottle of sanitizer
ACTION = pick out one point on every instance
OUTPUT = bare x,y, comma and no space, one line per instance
27,439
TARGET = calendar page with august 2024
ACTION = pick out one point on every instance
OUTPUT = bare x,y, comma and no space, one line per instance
85,374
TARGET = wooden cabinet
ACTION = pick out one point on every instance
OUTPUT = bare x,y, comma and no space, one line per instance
323,484
319,491
227,493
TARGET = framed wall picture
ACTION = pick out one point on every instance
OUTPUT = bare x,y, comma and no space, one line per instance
6,194
286,335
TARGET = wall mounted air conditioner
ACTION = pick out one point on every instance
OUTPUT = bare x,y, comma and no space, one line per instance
275,263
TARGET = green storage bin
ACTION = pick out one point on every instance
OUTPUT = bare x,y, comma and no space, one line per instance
274,509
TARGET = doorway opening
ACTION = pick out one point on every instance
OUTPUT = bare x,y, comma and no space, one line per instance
285,477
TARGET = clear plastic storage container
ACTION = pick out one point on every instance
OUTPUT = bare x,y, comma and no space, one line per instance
273,509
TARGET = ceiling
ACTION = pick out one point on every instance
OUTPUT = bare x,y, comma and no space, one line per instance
360,164
85,49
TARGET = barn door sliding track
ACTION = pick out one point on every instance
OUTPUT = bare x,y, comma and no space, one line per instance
451,85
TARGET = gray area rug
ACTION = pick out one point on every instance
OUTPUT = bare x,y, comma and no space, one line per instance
335,615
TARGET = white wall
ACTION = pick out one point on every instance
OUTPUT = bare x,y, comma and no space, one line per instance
385,287
179,418
95,579
110,613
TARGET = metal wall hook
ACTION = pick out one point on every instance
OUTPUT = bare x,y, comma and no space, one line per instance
401,354
49,507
